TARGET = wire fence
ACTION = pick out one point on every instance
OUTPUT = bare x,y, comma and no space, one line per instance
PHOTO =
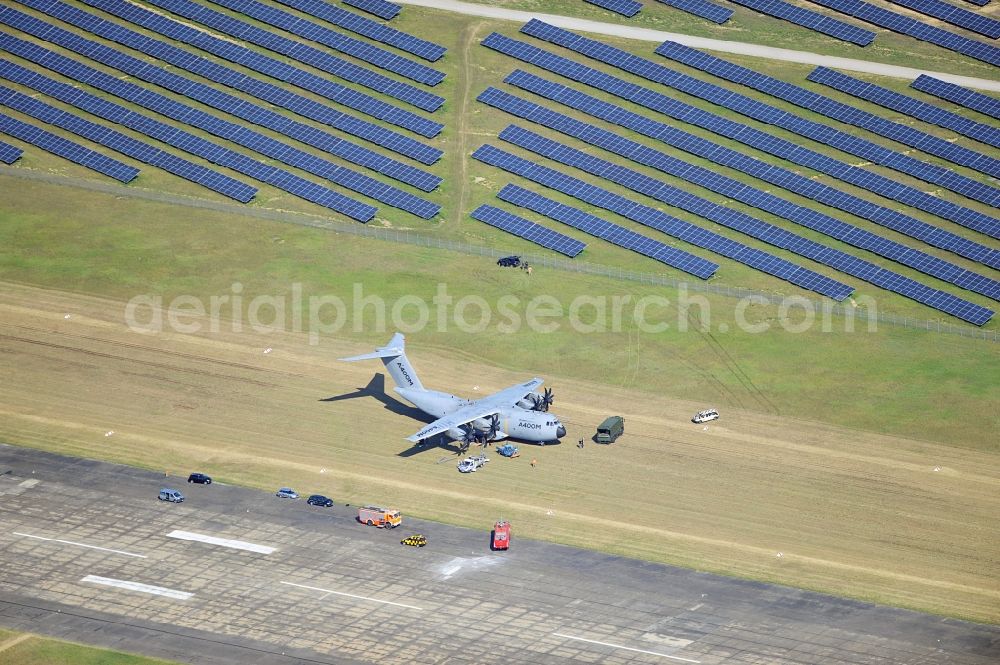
568,265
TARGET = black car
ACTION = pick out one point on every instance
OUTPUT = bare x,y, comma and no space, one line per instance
199,478
319,500
509,262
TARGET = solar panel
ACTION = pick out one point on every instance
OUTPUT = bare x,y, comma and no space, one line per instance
124,144
661,221
810,19
337,41
793,152
624,7
273,94
613,233
912,27
963,18
522,228
775,175
380,8
765,113
237,133
74,152
8,153
818,103
709,179
702,8
981,3
970,99
908,105
303,53
368,28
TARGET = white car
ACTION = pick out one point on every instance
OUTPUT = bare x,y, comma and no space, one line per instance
705,416
286,493
470,464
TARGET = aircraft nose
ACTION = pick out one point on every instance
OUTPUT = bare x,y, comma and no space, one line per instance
561,432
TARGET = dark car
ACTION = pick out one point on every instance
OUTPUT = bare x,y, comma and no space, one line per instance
319,500
199,478
509,262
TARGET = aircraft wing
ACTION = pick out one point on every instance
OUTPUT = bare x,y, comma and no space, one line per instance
482,407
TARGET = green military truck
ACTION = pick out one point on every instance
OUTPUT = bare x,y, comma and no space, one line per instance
612,428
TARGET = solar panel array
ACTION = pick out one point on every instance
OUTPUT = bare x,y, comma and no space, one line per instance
980,3
624,7
764,112
813,101
380,8
369,28
702,8
775,175
170,134
74,152
917,29
8,153
661,221
715,182
303,53
273,94
613,233
522,228
126,145
963,18
970,99
745,134
810,19
913,107
337,41
738,221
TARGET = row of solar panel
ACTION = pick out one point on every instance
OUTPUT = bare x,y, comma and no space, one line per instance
776,175
733,219
126,145
74,152
337,41
523,228
810,19
915,108
186,114
661,221
963,18
245,57
912,27
970,99
303,53
702,8
720,184
380,8
745,134
765,113
613,233
624,7
818,103
368,28
9,154
186,141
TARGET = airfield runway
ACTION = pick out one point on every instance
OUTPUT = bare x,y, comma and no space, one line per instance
235,575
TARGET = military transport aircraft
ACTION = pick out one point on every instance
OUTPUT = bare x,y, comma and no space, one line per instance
517,412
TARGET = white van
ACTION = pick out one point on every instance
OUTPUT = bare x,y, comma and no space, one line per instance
705,416
170,495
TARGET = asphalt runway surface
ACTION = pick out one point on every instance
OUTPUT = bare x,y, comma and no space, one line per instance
235,576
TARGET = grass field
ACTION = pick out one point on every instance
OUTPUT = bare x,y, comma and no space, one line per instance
35,650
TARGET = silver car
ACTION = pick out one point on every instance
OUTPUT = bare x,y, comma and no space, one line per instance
286,493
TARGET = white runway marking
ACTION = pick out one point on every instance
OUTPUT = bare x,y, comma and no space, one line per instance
138,586
351,595
222,542
618,646
90,547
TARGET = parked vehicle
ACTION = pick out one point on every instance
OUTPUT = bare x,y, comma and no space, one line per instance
500,539
705,416
416,540
612,428
319,500
200,478
509,262
388,518
286,493
470,464
173,496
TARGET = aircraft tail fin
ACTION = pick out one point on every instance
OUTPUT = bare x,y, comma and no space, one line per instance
394,358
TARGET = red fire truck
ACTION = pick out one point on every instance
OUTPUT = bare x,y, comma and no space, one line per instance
501,535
